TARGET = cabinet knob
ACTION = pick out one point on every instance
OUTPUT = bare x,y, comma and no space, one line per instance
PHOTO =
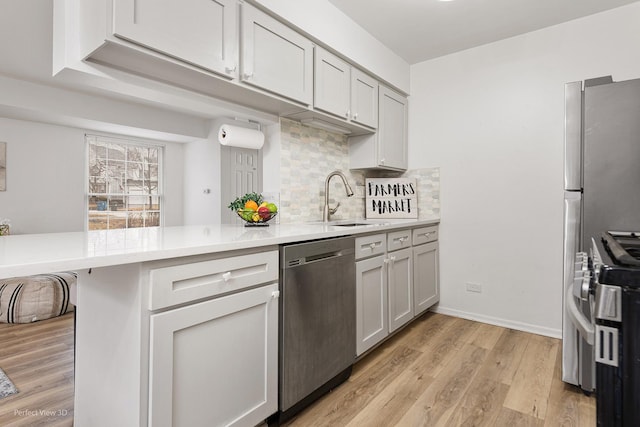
226,276
230,70
355,116
347,113
275,294
372,246
382,161
247,76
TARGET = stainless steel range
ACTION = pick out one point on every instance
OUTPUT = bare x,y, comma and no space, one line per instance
616,283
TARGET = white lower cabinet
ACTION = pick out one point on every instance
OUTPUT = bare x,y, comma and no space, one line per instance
213,339
395,281
400,273
425,276
371,303
214,363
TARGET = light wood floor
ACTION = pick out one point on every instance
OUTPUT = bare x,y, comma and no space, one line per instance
38,358
446,371
439,371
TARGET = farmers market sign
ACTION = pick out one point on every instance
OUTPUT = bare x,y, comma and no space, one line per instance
391,198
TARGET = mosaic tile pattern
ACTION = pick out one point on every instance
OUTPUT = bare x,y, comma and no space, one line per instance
308,155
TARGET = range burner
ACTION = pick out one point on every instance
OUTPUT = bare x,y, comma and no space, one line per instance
624,247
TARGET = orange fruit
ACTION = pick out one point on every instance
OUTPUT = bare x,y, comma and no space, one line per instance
251,205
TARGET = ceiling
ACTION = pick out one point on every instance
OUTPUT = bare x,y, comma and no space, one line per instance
418,30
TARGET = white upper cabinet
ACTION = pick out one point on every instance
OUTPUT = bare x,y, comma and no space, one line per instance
275,57
364,99
392,130
228,49
202,33
344,91
387,149
332,83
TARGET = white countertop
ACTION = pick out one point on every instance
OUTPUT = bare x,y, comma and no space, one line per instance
27,254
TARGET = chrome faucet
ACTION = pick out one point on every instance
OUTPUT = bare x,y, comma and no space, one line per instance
327,210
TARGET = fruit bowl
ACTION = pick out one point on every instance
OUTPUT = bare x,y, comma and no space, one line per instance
255,218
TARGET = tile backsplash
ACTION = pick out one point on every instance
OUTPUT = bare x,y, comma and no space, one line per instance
309,155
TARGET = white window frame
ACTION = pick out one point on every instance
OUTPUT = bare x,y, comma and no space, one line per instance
131,141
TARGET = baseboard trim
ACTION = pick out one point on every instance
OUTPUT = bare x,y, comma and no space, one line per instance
520,326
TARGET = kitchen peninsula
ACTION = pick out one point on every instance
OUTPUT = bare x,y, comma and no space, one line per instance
139,289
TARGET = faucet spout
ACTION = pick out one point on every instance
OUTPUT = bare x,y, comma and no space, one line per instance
328,211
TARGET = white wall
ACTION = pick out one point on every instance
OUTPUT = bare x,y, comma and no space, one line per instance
45,172
45,178
492,118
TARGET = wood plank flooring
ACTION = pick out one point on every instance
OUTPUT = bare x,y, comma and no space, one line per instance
446,371
439,371
38,358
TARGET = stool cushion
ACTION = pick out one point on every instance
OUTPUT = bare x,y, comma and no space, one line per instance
32,298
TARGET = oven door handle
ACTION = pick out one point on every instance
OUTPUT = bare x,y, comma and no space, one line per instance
583,325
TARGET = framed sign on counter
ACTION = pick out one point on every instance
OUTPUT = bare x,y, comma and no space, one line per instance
391,198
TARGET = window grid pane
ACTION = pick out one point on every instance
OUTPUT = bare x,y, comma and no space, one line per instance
124,185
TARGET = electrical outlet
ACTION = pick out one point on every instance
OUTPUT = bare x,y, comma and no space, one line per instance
474,287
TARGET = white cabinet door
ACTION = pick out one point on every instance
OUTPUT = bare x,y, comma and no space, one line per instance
275,57
364,99
400,288
392,129
332,81
344,91
201,32
215,363
371,303
426,286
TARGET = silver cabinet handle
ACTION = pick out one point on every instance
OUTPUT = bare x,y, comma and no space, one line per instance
247,76
226,276
372,246
275,294
230,70
427,234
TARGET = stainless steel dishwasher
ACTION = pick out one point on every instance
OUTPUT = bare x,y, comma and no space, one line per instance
317,321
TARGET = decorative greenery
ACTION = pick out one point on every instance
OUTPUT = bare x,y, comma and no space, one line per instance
239,202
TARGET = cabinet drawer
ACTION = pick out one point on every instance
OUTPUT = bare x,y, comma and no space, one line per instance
425,235
189,282
398,240
367,246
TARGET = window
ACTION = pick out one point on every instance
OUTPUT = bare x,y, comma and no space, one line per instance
125,185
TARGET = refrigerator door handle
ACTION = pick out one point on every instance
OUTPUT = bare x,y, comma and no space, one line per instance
573,136
584,326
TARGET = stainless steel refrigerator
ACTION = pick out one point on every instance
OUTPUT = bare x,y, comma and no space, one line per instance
602,192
